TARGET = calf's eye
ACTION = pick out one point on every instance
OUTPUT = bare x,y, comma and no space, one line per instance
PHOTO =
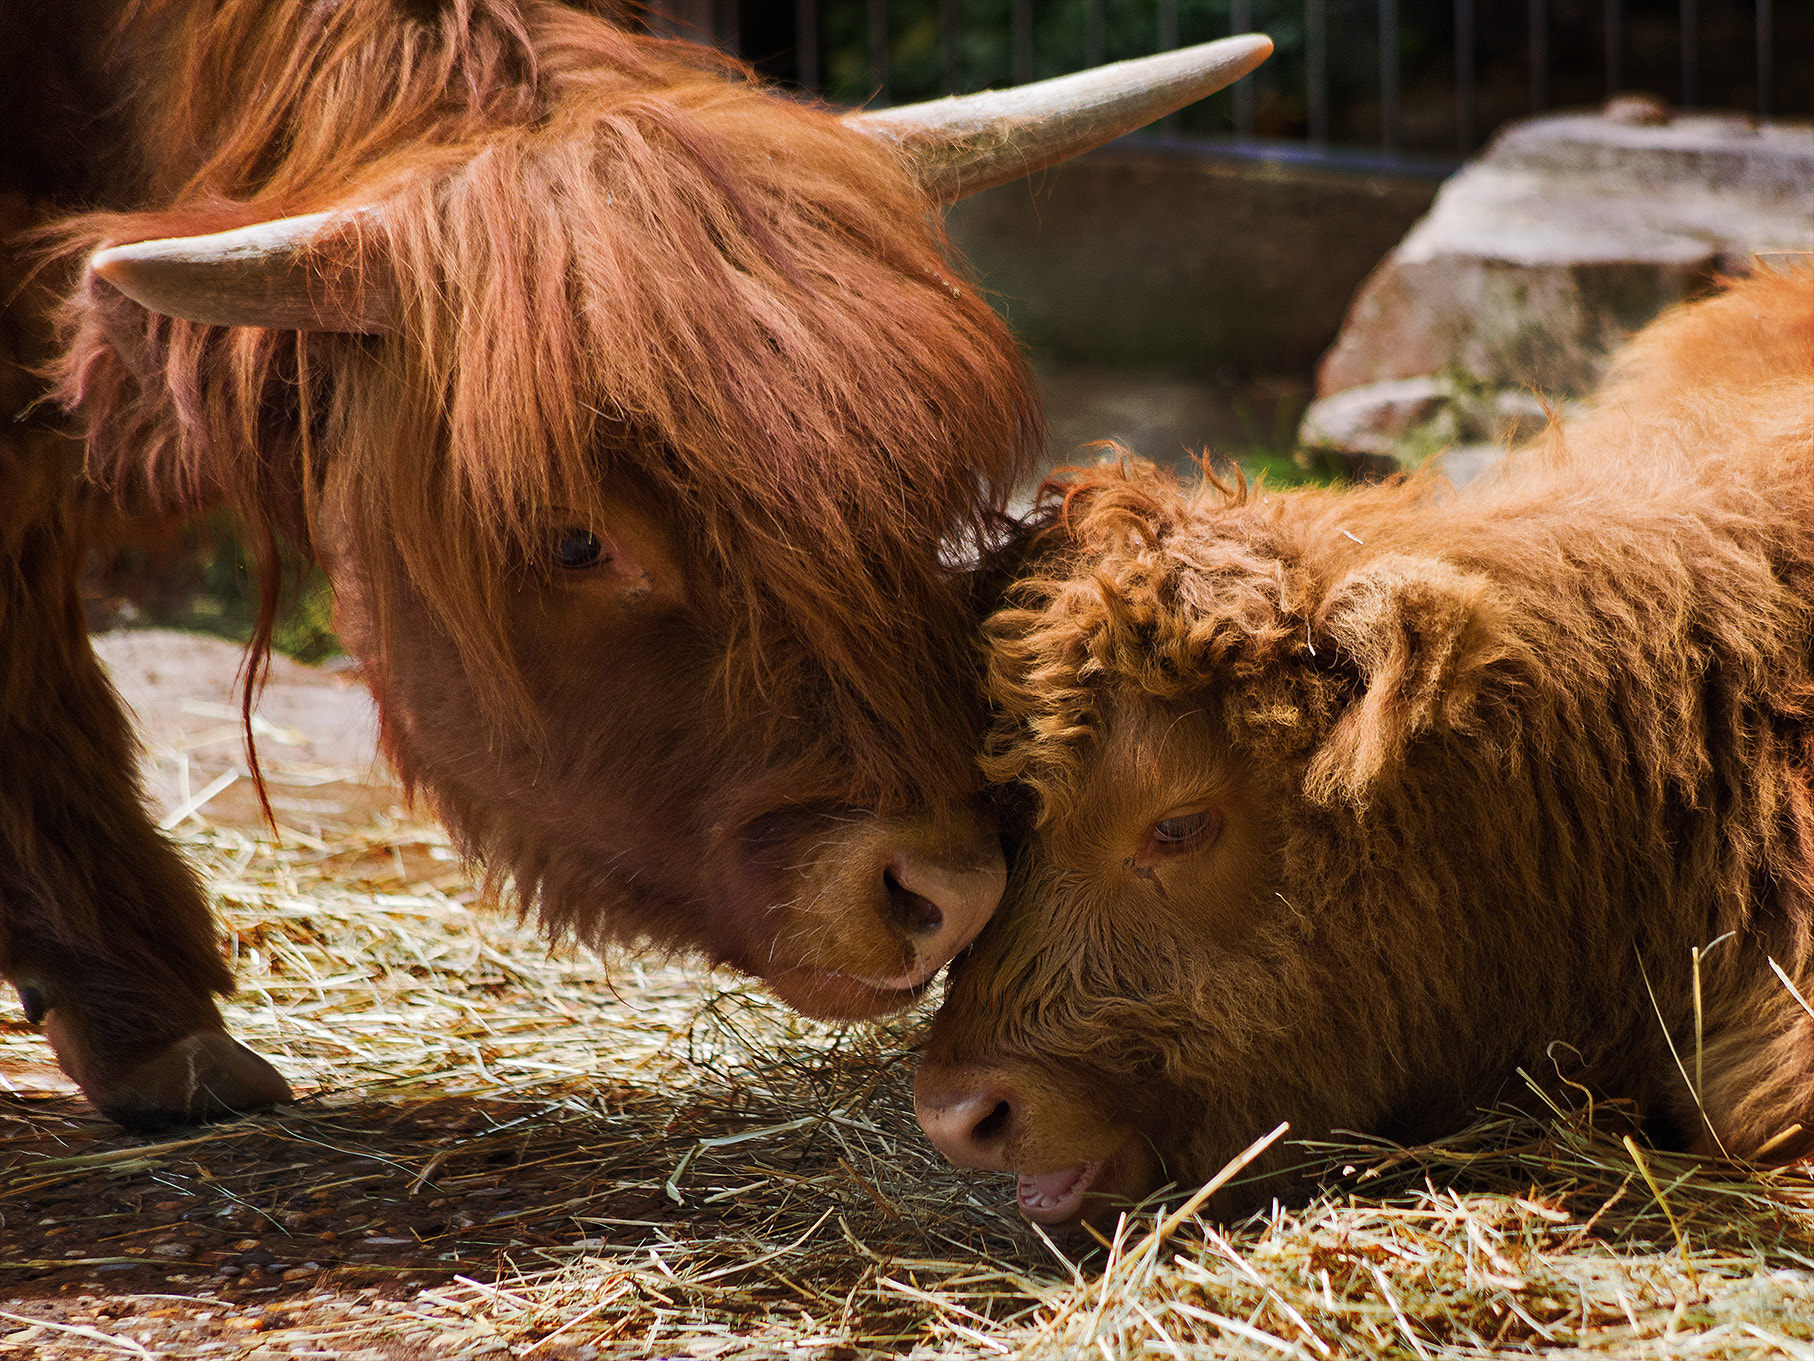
577,549
1179,834
1184,828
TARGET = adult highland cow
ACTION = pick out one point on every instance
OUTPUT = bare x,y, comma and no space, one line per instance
635,414
1348,804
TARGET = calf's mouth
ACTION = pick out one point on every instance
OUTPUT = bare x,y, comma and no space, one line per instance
1055,1197
1091,1192
1070,1164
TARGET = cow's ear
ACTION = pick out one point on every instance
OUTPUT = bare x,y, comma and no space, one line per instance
1421,639
179,415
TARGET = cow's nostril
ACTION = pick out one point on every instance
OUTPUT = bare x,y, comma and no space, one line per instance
913,913
931,908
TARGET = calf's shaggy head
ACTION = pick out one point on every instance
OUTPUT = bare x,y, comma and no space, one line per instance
1196,710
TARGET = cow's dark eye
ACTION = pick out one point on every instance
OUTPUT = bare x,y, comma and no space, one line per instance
577,549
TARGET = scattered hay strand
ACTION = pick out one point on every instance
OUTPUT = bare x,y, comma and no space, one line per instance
503,1151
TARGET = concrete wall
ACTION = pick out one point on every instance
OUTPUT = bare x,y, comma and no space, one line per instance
1188,257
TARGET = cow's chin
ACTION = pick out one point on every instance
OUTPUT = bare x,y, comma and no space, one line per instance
827,995
1088,1193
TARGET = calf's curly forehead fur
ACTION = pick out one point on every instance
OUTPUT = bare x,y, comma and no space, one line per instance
1499,762
1144,589
620,270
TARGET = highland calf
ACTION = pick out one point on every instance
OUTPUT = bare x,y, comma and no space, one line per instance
1345,805
635,413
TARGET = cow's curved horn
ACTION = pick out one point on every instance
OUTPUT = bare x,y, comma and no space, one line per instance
292,273
300,273
970,142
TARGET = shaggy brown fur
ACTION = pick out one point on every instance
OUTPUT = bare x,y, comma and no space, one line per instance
643,299
1351,803
89,892
621,266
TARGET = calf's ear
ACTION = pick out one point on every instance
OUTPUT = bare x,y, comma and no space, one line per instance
1422,637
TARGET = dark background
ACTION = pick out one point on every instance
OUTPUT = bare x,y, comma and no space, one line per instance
1570,36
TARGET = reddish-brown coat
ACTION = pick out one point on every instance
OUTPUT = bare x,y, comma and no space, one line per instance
1488,766
641,297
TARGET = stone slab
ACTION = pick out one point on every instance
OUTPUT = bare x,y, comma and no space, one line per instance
1539,258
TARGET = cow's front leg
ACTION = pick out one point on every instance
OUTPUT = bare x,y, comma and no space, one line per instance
144,1058
111,946
103,929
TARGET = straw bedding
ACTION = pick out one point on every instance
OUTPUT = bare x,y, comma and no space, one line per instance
501,1152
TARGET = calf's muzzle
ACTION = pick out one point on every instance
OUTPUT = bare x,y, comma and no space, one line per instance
1071,1164
971,1117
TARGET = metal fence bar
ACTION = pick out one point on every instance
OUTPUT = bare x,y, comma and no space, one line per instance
951,46
1615,49
806,43
1763,58
1539,55
1316,71
1326,58
878,49
1022,14
1388,75
1691,63
1167,36
1240,20
1464,77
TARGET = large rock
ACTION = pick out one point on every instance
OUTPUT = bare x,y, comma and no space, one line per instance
1538,258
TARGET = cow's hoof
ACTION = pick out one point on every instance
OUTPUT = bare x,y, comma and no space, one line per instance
206,1075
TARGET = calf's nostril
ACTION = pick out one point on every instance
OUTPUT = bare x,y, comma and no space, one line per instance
913,913
971,1123
993,1126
